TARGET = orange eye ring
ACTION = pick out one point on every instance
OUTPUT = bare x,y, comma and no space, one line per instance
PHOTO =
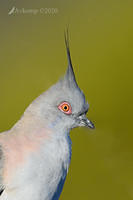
65,107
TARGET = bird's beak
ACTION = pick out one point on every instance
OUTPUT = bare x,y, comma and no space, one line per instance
84,121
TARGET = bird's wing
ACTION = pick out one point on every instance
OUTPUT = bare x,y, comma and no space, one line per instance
1,191
1,167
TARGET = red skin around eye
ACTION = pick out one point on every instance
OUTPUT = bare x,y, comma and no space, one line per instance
63,104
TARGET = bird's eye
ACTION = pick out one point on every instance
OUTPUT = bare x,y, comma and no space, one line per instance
65,107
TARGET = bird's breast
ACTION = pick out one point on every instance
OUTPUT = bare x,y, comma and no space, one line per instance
44,169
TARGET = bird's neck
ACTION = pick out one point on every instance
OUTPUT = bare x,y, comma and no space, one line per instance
32,127
29,136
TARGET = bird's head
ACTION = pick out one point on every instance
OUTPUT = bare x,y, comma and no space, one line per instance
63,106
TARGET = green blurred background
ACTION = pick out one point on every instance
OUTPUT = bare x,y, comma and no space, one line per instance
33,57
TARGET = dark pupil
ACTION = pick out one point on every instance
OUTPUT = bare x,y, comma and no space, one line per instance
65,107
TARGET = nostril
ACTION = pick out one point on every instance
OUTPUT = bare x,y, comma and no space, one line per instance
83,113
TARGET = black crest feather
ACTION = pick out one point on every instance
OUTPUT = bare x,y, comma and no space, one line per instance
70,72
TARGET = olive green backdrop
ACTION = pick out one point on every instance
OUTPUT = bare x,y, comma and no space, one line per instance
33,57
